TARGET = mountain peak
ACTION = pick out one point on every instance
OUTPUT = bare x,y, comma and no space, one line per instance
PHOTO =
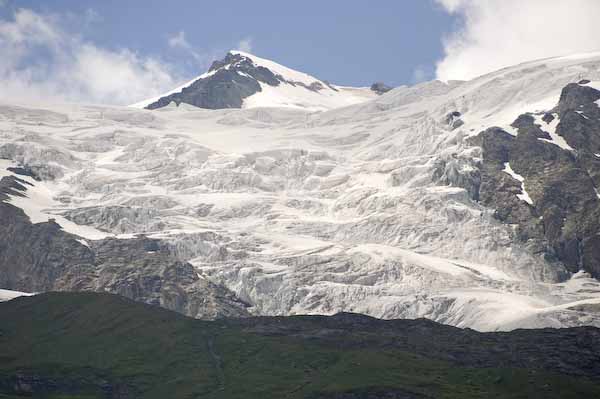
287,73
243,80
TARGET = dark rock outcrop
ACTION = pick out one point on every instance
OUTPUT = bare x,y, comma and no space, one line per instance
453,120
563,221
380,87
42,257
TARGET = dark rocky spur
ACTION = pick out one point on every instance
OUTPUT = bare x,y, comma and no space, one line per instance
563,222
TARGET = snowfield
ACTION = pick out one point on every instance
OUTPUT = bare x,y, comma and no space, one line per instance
351,209
7,295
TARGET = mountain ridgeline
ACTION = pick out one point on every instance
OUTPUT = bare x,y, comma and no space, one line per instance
231,81
90,345
225,87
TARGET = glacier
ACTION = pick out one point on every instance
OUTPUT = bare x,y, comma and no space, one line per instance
363,208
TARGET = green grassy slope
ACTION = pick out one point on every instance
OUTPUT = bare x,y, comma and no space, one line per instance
85,345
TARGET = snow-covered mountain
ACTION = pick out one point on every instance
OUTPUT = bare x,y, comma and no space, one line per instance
470,203
243,80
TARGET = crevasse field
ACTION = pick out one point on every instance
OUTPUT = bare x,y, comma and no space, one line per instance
304,210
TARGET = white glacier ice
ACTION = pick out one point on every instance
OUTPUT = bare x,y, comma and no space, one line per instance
353,209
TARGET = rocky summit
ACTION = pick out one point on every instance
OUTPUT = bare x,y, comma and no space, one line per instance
242,80
257,190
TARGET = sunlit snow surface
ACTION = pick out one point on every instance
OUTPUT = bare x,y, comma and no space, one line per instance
7,295
523,196
301,212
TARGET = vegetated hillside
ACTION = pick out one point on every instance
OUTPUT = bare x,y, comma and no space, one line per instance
91,345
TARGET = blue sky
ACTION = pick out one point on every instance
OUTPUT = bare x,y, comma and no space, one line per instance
351,42
123,51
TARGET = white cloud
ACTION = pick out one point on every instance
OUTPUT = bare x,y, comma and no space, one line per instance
122,76
245,45
499,33
40,60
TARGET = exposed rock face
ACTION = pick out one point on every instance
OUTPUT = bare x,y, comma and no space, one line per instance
380,87
226,88
453,120
561,179
42,257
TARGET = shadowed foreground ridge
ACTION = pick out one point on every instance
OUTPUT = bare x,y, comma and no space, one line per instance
90,345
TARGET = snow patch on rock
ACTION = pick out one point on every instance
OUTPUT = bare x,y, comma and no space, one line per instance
550,128
524,196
